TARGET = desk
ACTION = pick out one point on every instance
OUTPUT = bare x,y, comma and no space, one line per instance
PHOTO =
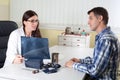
16,72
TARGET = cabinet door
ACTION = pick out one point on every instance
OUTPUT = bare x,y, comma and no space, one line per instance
64,38
79,40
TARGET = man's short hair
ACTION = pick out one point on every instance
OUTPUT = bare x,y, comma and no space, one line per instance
100,11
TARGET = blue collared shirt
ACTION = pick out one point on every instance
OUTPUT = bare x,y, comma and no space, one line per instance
104,64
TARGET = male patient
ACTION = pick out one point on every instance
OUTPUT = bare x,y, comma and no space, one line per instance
104,64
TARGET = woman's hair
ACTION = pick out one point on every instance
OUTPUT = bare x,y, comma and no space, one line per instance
28,14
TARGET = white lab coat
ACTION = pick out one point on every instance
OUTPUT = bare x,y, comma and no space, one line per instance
14,45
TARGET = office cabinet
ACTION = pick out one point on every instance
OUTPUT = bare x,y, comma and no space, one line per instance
74,41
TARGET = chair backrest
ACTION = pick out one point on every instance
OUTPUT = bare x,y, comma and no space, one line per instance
6,27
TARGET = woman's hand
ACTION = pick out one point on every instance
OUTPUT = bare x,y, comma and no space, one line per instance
18,59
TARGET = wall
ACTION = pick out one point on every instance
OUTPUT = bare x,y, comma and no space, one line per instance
60,12
4,10
52,34
64,12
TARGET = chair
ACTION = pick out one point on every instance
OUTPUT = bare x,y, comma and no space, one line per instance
6,27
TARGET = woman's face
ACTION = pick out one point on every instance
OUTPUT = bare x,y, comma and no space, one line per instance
31,23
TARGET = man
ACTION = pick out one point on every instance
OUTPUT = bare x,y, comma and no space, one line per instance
104,64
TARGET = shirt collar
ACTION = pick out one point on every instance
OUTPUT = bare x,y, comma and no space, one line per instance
102,32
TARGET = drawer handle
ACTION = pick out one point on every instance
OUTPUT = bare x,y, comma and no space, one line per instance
78,45
64,44
64,39
78,40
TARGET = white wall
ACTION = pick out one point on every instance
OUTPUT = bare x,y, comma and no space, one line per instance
59,13
4,9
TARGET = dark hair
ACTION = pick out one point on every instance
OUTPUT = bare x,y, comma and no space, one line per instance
25,17
100,11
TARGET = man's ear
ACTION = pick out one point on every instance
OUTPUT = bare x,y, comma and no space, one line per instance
100,18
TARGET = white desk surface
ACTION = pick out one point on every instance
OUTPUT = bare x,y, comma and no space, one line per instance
17,72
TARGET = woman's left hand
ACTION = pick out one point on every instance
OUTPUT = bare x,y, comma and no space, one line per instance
18,59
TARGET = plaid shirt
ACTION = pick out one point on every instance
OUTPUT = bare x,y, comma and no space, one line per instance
104,64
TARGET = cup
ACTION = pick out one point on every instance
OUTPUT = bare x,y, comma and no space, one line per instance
55,58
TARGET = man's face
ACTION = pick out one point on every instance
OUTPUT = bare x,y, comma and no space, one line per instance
93,21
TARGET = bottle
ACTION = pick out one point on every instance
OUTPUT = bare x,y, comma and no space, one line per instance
55,58
79,31
83,33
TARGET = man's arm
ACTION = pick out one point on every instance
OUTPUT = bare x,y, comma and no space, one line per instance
87,60
100,61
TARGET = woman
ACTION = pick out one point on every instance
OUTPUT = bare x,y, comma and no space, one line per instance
30,28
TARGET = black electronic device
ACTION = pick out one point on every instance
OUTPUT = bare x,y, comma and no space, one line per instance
51,68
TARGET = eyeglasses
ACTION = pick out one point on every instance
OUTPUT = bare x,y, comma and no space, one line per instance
33,21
